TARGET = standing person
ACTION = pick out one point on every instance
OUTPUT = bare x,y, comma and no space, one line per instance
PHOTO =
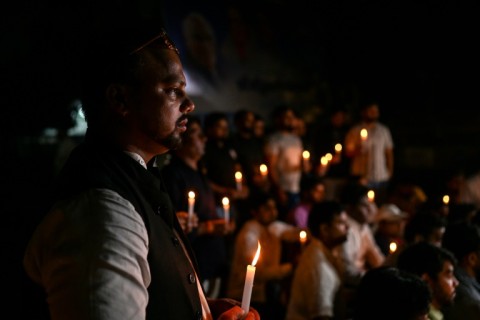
369,145
283,152
111,247
316,287
184,174
463,240
329,136
435,265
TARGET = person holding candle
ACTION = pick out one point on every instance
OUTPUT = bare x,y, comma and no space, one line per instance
390,224
372,157
283,152
271,273
111,247
182,174
329,136
221,163
317,282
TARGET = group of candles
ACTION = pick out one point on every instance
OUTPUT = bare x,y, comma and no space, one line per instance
324,160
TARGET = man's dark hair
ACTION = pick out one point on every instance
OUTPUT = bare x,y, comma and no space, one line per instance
462,239
388,292
323,213
423,224
423,257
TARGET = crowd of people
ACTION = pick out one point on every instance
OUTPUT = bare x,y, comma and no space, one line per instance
159,211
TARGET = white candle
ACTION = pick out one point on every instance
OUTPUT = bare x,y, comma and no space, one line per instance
303,237
247,289
191,203
263,170
226,209
238,180
371,195
338,148
392,247
446,199
306,158
363,134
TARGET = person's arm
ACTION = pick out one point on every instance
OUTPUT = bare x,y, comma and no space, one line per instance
87,249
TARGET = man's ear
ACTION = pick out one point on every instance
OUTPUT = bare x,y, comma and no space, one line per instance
116,97
428,280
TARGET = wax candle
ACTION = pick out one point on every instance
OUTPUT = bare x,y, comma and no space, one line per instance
191,203
238,180
446,199
226,209
338,148
371,195
247,289
323,166
303,237
306,158
263,170
363,134
392,247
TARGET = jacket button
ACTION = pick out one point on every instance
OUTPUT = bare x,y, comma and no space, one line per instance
175,241
191,278
159,210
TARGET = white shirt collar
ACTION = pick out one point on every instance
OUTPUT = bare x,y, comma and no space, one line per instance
138,158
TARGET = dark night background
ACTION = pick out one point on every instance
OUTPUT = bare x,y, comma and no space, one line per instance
419,57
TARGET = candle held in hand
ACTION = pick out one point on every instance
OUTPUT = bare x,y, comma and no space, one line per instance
247,289
238,180
191,203
226,209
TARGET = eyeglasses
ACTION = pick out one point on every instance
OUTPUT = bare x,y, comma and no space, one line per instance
165,40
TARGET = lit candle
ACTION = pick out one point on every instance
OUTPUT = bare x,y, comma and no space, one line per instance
226,209
247,289
191,203
303,237
306,158
323,166
329,156
338,148
238,180
263,170
371,195
363,134
392,247
446,199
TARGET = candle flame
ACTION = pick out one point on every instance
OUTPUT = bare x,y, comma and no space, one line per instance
338,147
306,154
371,195
263,169
303,236
257,255
324,161
238,176
191,195
225,201
446,199
393,247
364,134
329,156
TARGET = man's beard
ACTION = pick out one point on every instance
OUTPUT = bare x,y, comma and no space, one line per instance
173,141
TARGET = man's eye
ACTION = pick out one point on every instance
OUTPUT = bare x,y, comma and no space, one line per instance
173,92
